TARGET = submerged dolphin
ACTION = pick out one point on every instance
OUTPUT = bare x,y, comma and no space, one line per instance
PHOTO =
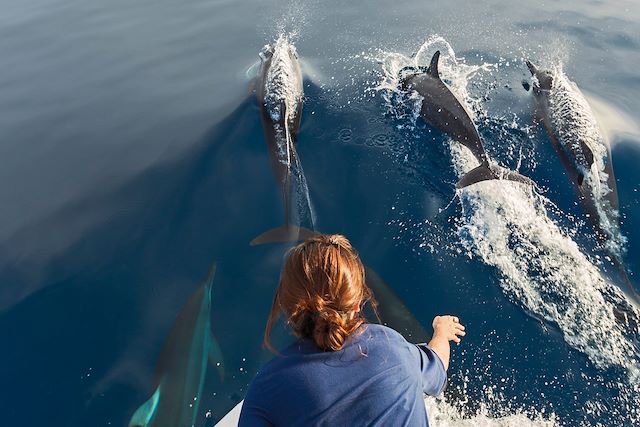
392,311
586,156
442,110
280,97
182,366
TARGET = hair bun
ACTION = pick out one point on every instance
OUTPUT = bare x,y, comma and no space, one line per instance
321,291
332,328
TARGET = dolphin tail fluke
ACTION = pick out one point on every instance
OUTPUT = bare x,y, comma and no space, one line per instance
285,233
144,414
486,172
215,356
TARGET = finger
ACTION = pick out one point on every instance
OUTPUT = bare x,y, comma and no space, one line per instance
461,333
455,319
459,327
456,339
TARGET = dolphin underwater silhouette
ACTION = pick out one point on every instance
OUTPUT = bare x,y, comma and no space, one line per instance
586,156
182,366
442,110
392,311
280,97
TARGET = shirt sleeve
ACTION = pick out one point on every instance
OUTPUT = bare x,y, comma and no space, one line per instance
434,376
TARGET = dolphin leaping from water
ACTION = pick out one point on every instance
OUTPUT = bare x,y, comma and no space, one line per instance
586,156
442,110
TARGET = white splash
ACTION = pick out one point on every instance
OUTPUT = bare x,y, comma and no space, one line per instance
443,414
542,269
507,225
453,71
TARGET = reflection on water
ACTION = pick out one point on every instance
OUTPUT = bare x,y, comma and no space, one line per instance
132,155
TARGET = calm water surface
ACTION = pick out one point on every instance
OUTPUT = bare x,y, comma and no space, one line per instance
132,156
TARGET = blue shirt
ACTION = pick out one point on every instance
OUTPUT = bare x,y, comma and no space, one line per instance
378,378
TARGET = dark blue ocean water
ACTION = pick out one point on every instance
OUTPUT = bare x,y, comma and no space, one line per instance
132,156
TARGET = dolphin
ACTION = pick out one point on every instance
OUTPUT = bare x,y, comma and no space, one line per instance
442,110
181,369
280,97
586,156
392,311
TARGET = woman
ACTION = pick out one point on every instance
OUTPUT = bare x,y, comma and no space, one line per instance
342,371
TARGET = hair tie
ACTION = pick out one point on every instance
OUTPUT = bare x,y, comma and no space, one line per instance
334,242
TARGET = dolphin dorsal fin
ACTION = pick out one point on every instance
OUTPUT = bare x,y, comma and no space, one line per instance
433,67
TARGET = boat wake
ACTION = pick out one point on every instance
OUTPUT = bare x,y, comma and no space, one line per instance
443,413
541,268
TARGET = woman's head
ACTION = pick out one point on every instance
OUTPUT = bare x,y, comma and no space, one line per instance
321,291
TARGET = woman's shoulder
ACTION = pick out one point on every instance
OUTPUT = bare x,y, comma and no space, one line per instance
288,357
375,330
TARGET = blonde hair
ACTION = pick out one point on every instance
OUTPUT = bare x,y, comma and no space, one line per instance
321,292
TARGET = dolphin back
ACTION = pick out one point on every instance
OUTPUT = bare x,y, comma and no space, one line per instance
442,109
281,96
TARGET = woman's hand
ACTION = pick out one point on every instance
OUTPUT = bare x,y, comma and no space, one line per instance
448,327
445,329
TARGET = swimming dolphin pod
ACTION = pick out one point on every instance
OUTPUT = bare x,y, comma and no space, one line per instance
280,97
586,156
442,110
182,366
